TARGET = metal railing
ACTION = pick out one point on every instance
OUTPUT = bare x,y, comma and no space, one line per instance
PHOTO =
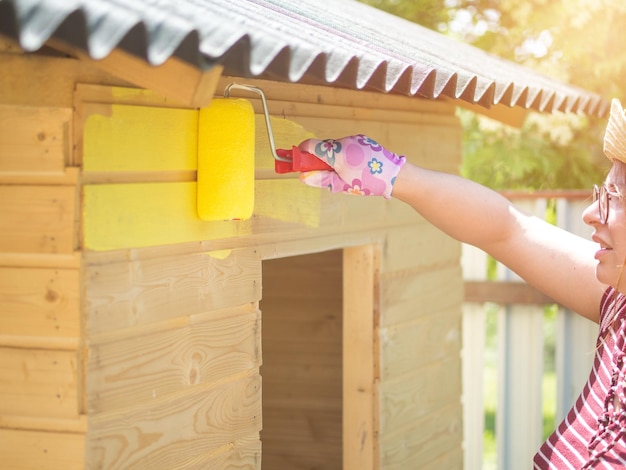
520,346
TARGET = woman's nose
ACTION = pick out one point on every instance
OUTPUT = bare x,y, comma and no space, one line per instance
591,215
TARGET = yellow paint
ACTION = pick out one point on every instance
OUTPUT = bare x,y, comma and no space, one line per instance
147,214
117,216
290,201
286,134
220,254
141,138
226,160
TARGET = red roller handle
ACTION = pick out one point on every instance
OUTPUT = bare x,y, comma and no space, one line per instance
300,161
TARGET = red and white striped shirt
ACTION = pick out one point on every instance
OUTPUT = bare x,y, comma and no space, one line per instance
593,434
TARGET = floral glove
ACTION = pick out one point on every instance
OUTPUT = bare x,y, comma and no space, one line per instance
361,166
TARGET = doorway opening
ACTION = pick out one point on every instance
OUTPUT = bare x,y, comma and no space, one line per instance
302,329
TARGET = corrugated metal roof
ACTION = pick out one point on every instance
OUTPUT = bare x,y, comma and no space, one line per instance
338,42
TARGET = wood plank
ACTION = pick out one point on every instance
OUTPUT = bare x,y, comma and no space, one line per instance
505,292
427,440
39,302
407,294
37,219
361,289
39,80
69,176
147,214
38,450
139,368
153,214
242,454
408,346
34,139
41,260
304,93
37,423
139,138
90,93
175,79
419,246
176,430
129,293
406,399
10,45
38,383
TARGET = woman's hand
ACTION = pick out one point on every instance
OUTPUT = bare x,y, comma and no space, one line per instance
361,166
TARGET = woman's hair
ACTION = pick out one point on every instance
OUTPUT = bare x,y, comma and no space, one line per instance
618,174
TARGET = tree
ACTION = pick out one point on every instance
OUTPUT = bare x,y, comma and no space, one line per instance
577,41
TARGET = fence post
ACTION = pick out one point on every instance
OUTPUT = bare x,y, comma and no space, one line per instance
474,263
575,335
520,370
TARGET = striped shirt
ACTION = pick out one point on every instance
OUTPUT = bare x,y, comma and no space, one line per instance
593,434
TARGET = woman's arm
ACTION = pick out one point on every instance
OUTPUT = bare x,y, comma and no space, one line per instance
553,260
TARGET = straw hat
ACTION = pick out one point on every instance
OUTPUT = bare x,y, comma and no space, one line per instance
615,135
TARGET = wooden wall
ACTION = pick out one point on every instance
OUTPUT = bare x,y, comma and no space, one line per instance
42,416
144,347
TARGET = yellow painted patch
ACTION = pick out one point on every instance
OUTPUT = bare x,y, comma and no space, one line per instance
147,214
220,254
141,138
289,200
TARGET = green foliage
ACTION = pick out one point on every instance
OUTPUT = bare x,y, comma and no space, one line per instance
575,41
428,13
534,157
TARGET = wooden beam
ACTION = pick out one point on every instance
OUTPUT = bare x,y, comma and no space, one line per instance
174,79
361,293
505,293
511,116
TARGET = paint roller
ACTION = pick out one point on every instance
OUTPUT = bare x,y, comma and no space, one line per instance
226,135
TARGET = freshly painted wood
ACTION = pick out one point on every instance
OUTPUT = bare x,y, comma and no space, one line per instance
176,430
152,214
34,139
360,358
38,383
139,138
41,450
146,365
40,302
37,219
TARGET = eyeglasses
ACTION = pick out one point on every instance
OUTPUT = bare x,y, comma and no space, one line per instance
602,195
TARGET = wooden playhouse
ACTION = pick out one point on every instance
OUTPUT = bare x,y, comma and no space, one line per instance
323,332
